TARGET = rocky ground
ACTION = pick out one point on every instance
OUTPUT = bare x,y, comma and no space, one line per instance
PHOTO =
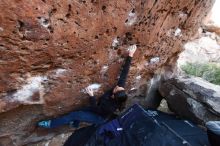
55,141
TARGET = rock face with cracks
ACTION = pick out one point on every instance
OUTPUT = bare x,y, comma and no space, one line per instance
193,98
51,50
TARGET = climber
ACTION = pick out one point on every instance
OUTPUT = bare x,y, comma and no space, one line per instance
97,112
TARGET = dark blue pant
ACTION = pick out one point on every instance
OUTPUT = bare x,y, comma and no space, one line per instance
81,116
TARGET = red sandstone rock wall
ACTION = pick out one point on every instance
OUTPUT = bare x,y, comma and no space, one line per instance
51,50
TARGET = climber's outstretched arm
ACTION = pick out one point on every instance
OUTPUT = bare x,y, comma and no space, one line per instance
124,72
126,67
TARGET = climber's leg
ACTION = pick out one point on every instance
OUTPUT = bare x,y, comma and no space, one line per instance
74,124
83,116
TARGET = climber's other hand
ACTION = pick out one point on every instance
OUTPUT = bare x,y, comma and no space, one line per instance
131,50
89,91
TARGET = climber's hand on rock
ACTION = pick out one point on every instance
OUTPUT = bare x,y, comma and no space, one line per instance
131,50
89,91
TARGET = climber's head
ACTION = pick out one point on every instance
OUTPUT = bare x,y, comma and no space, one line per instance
120,96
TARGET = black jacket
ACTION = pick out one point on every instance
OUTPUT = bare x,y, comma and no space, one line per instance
106,106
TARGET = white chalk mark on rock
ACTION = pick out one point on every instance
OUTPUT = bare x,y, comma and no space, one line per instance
34,85
174,33
115,42
154,60
138,77
44,22
60,72
169,33
182,15
104,69
178,32
132,17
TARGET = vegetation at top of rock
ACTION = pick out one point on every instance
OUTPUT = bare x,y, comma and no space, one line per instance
207,71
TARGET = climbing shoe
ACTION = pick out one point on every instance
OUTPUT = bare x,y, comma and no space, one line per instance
44,124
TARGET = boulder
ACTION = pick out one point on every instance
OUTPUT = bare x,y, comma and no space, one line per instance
211,22
51,50
192,98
